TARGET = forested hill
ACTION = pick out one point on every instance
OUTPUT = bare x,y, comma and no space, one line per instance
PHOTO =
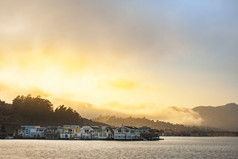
223,117
28,110
139,122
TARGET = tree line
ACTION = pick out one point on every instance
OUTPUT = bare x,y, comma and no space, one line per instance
28,110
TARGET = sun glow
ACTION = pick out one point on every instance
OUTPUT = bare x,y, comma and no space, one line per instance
70,75
133,59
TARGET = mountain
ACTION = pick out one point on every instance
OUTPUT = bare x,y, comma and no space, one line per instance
139,122
88,122
223,117
36,110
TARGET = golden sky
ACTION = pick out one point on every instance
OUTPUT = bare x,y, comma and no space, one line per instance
135,57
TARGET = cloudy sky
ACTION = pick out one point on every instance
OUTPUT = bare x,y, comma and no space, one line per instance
136,56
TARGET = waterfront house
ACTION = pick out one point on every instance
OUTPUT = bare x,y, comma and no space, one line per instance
105,132
69,131
148,133
86,132
126,133
37,133
25,131
95,132
145,129
52,132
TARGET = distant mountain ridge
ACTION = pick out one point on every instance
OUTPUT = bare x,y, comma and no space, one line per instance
36,110
223,117
139,122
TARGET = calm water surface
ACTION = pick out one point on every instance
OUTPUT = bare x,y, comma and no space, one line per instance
171,147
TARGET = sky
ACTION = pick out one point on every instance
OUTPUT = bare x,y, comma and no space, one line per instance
134,57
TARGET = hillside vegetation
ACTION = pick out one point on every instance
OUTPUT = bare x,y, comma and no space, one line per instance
28,110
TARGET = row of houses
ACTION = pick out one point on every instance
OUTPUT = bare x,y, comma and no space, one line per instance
88,132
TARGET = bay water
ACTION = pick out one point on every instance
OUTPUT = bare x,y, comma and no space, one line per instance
170,147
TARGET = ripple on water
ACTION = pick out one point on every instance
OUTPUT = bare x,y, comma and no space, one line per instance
171,147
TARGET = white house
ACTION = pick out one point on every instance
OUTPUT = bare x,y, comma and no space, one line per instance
126,133
85,132
37,132
105,132
69,131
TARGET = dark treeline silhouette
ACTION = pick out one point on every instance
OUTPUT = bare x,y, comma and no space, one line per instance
28,110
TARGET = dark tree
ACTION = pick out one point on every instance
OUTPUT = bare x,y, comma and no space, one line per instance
28,110
32,110
66,115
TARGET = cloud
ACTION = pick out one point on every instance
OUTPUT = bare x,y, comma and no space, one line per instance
176,115
3,86
180,115
112,29
85,109
123,84
38,92
74,46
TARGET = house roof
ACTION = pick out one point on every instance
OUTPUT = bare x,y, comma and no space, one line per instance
130,127
145,127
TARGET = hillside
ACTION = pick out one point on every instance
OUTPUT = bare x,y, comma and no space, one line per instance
224,117
139,122
28,110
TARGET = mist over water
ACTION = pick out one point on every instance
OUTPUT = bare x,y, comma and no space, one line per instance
171,147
